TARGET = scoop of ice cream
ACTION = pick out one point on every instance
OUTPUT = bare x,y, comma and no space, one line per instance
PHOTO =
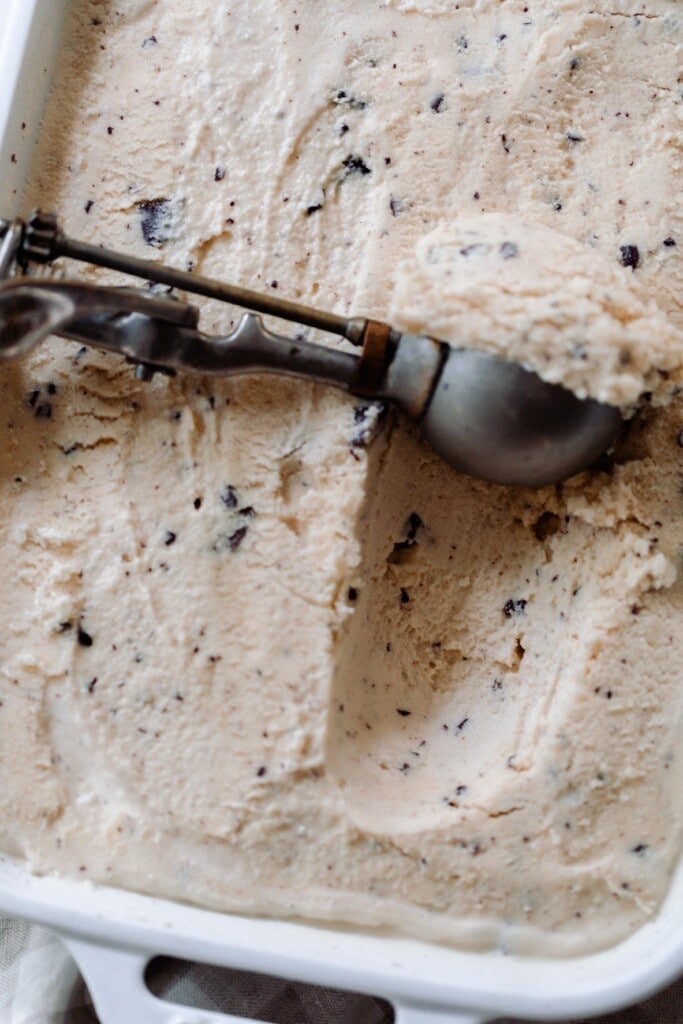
537,296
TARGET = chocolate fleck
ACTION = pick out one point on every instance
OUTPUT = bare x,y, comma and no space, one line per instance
514,607
84,639
509,250
236,538
228,496
156,221
355,165
629,256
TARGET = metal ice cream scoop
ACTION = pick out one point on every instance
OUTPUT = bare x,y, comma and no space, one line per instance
485,416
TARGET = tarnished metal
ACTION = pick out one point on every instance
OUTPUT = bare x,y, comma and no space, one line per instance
157,332
379,342
412,374
483,415
42,239
45,241
11,234
491,418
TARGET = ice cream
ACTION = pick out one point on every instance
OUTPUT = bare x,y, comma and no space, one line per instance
262,650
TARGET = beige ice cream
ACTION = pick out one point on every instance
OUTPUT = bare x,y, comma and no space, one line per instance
261,649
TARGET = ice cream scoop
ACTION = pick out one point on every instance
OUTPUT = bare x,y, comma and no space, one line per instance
485,416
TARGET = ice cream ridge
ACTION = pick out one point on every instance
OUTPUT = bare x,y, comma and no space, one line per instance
263,651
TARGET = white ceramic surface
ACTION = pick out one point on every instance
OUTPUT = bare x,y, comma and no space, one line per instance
114,934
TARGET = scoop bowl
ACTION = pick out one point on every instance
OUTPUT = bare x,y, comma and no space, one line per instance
495,420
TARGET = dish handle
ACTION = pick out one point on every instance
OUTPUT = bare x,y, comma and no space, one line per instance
116,982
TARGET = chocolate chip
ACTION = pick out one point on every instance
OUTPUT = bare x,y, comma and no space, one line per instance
169,538
437,103
545,526
156,221
84,639
89,205
236,538
514,607
219,174
197,503
668,242
355,165
404,595
403,712
629,256
352,594
343,97
414,524
228,496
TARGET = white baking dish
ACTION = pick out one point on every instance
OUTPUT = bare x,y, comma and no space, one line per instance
114,934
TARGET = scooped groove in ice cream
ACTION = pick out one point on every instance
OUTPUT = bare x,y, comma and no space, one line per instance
262,650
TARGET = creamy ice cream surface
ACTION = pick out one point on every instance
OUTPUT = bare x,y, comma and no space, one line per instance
261,650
